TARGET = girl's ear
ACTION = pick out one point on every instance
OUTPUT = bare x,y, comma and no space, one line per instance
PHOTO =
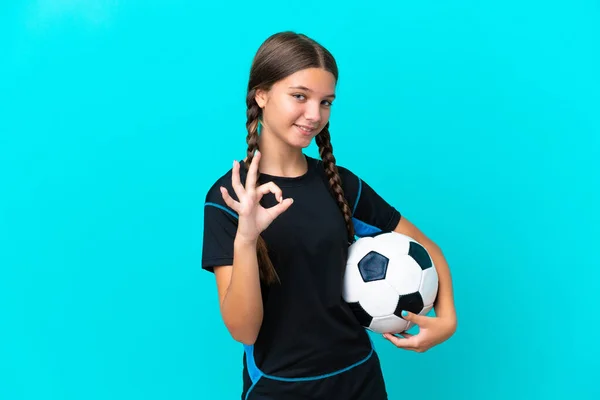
261,98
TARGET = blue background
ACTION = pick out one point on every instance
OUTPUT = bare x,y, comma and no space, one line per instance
478,121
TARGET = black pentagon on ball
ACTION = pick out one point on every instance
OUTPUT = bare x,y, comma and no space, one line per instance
373,266
420,255
412,302
361,315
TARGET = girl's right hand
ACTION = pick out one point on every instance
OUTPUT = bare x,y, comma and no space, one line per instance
253,218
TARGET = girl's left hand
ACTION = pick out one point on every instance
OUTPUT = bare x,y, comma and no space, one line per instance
432,331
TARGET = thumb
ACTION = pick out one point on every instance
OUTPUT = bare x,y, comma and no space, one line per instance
414,318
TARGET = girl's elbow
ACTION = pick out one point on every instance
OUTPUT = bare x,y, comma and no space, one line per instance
244,334
246,338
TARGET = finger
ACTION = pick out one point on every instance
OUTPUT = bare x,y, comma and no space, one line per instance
402,343
417,319
278,209
270,187
253,171
228,199
405,343
235,180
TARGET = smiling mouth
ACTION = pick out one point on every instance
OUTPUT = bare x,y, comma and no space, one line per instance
305,129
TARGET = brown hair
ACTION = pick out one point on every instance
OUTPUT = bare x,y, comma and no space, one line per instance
281,55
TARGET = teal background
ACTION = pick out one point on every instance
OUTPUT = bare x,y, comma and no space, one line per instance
478,121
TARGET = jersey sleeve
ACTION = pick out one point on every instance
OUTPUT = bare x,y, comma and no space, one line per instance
371,213
220,227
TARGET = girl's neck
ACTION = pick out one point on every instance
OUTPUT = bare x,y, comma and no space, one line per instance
280,160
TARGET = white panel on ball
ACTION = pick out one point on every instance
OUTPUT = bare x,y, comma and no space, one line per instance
391,244
378,298
429,286
388,324
404,274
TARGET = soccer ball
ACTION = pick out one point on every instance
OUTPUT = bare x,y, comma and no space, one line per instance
386,274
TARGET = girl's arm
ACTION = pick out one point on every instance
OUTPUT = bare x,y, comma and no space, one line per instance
239,293
444,303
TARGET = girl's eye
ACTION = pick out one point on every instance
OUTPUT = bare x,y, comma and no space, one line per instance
298,96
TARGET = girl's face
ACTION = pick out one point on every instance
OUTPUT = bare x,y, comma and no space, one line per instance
297,108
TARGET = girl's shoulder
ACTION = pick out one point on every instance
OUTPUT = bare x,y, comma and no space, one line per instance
223,179
349,180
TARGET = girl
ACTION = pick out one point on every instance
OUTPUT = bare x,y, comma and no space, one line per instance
277,227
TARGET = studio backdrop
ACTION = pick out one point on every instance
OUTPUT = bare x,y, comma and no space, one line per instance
479,121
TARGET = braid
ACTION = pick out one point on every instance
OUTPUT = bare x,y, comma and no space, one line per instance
265,267
323,140
252,115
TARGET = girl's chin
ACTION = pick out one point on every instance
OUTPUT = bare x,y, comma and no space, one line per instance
300,142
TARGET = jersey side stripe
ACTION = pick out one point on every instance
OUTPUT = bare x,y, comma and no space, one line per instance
222,208
358,195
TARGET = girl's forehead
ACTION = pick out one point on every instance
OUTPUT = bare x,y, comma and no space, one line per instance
316,80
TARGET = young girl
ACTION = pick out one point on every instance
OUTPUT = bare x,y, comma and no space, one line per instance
277,227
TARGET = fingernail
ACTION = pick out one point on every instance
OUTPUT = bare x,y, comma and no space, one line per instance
405,313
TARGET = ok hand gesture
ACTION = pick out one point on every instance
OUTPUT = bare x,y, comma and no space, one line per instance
253,218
